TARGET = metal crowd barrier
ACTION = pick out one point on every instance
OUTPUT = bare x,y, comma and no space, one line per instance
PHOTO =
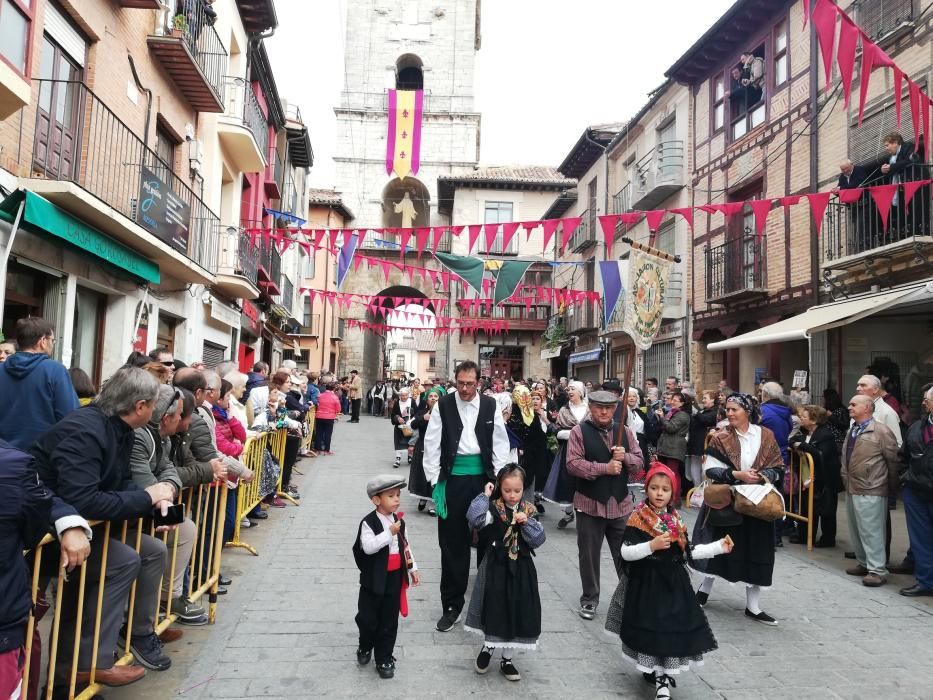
309,438
248,496
205,505
800,482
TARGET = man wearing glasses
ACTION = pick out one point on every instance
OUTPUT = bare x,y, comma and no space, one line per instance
164,357
36,390
465,446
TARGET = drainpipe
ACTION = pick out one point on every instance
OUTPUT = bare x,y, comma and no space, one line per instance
148,92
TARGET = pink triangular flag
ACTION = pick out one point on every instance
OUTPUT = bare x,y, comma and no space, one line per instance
686,213
761,207
508,232
818,202
609,223
404,235
490,231
630,218
910,189
845,55
850,195
569,226
915,97
549,226
790,200
474,230
421,239
530,226
824,26
898,88
653,218
883,196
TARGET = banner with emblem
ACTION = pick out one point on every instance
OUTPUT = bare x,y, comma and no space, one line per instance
644,297
403,140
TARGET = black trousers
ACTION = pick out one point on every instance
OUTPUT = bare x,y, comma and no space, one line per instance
355,409
825,520
455,537
591,531
292,445
323,431
377,618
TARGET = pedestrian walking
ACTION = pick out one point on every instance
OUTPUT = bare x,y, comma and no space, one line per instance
418,485
654,609
387,568
402,412
355,394
505,606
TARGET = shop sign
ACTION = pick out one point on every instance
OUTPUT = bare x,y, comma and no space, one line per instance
800,379
223,313
585,356
249,319
162,212
549,354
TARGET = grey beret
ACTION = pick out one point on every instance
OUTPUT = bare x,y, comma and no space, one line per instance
384,482
603,398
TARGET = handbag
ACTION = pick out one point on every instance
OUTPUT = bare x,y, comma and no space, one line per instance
407,431
695,496
769,508
720,509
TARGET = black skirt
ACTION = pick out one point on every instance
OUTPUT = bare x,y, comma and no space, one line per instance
418,485
752,558
511,605
561,486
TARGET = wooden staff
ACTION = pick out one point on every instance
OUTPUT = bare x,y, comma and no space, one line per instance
651,251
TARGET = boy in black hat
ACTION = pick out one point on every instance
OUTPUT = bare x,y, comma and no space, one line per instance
384,558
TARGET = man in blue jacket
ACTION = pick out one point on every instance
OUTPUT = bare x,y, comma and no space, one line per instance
85,459
36,390
776,417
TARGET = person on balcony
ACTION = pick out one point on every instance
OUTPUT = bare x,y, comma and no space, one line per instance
860,212
753,77
902,163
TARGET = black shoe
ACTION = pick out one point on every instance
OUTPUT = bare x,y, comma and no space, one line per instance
587,611
649,677
761,617
386,670
701,599
363,657
148,652
224,580
259,515
422,504
905,567
915,591
507,669
482,660
566,520
849,555
822,544
221,590
448,620
539,506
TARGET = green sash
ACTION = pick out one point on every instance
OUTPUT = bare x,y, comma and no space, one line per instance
464,465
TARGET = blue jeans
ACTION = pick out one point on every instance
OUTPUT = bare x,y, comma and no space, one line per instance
920,530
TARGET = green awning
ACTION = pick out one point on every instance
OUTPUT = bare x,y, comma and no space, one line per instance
41,216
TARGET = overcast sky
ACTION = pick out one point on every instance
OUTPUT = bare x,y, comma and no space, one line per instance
545,71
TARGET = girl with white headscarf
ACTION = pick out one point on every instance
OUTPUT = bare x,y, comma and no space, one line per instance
402,412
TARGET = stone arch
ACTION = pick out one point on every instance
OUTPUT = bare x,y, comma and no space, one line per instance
395,191
409,72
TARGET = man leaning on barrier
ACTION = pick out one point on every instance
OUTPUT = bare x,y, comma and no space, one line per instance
85,460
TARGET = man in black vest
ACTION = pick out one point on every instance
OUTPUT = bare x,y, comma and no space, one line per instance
465,446
601,456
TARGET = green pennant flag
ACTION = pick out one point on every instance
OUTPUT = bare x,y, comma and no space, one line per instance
510,275
469,269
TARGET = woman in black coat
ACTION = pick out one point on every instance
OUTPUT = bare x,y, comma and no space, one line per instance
418,485
529,422
701,423
816,438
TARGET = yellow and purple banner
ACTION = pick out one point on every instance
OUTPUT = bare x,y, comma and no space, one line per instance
403,142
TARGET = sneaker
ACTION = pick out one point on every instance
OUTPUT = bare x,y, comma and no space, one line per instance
293,491
194,622
259,515
482,660
702,598
148,652
566,520
185,610
397,464
762,617
245,523
386,670
507,669
448,620
277,502
588,611
363,657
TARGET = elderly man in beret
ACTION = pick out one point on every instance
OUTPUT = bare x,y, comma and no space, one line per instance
601,453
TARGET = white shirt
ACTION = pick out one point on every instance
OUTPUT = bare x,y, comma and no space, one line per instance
635,421
372,542
749,443
469,445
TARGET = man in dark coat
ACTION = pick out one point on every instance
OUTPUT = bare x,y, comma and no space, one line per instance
917,481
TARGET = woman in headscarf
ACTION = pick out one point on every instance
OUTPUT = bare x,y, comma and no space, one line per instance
528,422
560,485
418,485
402,411
741,453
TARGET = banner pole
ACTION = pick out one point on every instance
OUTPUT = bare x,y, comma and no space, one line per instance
651,251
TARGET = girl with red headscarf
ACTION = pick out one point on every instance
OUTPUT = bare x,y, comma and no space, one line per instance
654,610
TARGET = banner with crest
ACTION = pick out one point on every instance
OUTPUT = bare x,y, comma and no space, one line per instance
644,297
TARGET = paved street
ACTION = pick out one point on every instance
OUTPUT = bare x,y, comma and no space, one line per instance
286,629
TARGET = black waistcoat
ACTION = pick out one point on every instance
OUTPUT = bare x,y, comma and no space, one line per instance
453,429
373,567
595,450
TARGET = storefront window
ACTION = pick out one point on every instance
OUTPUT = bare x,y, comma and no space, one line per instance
88,332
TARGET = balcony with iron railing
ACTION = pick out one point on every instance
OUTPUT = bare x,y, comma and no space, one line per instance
242,128
622,200
885,20
268,261
84,158
585,235
519,317
237,272
311,326
582,318
735,270
659,174
192,53
288,293
275,175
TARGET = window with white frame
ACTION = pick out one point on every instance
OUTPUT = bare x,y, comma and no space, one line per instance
498,213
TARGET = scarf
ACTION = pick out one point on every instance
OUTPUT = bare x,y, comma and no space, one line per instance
512,532
653,523
522,398
220,413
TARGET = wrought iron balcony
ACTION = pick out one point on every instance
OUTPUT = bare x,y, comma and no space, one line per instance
243,129
585,235
582,318
288,293
374,241
275,176
268,261
237,273
660,173
518,316
735,270
79,139
622,200
311,327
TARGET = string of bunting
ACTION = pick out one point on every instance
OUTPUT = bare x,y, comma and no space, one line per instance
467,326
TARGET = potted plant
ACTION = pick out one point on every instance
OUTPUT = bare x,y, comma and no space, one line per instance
179,25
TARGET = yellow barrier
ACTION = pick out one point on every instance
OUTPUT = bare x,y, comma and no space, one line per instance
308,440
248,495
206,505
800,480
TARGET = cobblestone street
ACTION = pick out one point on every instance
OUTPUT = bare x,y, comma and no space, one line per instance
286,629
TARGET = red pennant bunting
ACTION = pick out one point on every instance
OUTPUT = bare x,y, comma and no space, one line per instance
851,195
385,269
508,232
490,231
549,226
609,223
318,236
824,26
818,202
872,57
686,213
761,207
630,218
436,234
421,239
924,123
305,246
403,237
332,234
569,226
474,234
653,219
910,189
790,200
845,56
883,196
915,96
530,226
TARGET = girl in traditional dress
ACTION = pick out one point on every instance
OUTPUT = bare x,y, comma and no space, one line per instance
505,607
654,610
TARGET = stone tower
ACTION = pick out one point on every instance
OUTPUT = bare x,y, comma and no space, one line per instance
403,44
